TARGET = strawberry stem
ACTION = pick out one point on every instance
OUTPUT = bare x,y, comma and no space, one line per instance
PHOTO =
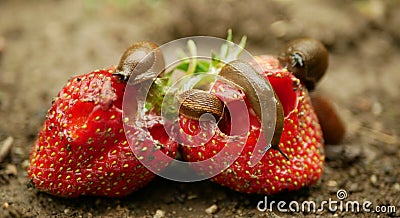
194,66
193,53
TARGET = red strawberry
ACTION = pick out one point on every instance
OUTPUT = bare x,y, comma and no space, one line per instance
301,139
82,148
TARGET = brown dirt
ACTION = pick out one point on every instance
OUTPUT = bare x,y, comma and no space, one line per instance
43,43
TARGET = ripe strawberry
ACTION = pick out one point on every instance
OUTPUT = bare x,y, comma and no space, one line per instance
82,148
301,139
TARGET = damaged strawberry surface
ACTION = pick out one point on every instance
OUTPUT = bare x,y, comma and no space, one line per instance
82,148
301,140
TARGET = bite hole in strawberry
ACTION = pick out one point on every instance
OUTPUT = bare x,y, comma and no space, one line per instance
158,133
80,114
285,89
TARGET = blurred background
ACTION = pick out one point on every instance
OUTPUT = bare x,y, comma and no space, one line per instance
44,43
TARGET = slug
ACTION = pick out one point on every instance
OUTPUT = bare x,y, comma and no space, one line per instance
140,61
332,125
245,78
307,59
195,102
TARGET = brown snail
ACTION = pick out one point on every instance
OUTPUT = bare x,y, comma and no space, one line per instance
307,59
245,77
195,102
140,61
332,125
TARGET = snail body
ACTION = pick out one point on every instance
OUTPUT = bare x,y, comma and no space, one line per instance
307,59
331,124
137,60
246,78
195,102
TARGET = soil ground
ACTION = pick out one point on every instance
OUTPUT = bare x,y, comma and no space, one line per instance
43,43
